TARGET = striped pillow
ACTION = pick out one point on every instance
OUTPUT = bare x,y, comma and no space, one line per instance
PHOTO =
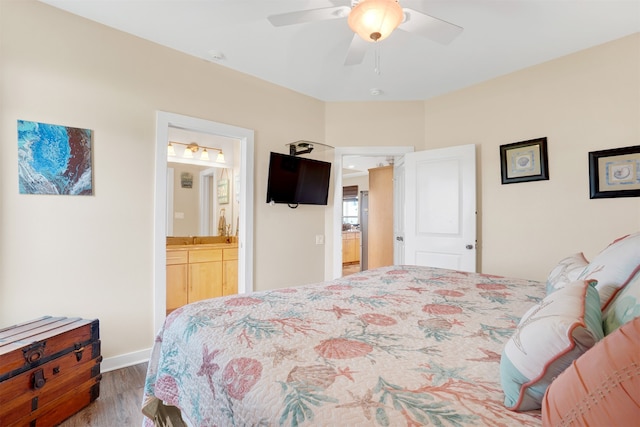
602,387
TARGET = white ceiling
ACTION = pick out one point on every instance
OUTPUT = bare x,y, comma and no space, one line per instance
499,37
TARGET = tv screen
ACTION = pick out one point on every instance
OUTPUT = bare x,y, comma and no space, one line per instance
296,180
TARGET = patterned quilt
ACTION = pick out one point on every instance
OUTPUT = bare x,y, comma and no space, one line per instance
394,346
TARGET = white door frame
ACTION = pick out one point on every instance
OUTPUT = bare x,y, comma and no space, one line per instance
205,200
337,197
165,120
170,194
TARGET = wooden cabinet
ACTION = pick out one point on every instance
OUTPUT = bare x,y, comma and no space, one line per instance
230,272
200,272
205,274
380,229
350,247
177,262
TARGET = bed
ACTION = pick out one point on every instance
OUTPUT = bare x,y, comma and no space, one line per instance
393,346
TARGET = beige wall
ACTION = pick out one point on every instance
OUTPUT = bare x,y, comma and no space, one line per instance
93,256
361,124
361,181
583,102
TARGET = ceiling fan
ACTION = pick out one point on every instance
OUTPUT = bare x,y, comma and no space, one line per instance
372,21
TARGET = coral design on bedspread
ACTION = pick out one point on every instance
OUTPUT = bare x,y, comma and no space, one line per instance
395,346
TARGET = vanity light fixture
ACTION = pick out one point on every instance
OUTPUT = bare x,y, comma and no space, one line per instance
220,157
193,148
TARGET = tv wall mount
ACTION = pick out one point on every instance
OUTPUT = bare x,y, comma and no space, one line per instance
305,147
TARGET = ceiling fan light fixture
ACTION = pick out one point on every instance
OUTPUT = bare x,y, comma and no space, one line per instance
375,20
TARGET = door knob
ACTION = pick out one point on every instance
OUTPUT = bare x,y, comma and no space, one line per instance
469,247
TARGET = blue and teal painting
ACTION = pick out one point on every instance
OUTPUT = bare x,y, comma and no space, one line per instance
54,159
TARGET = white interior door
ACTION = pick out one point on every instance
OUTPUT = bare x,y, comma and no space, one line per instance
440,208
398,212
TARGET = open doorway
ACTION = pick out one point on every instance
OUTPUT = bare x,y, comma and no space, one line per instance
164,122
343,155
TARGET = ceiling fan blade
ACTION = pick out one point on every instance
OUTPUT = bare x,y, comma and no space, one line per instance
357,49
427,26
311,15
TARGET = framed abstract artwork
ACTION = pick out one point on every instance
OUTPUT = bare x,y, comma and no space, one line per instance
614,173
524,161
54,159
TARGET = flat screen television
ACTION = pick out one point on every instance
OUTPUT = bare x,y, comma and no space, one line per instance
297,180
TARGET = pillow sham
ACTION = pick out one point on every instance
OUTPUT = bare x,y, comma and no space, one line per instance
614,267
601,388
548,338
624,307
567,271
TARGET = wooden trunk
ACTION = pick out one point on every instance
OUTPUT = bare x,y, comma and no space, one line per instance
49,370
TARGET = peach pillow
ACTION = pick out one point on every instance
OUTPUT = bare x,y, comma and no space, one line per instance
602,387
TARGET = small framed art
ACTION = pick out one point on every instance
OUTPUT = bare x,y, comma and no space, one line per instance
614,173
524,161
186,180
223,191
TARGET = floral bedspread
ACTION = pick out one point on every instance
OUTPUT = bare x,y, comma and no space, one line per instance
394,346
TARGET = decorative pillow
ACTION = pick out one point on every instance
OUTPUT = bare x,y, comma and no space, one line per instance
614,267
549,337
624,307
601,388
566,271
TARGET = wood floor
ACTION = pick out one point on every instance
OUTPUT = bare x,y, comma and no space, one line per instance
119,402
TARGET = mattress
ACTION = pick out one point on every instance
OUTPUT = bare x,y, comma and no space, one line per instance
393,346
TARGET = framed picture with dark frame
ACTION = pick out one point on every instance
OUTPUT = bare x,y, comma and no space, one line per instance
614,173
524,161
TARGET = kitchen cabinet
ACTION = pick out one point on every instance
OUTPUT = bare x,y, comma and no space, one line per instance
350,247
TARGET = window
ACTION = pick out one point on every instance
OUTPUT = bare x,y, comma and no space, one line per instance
350,213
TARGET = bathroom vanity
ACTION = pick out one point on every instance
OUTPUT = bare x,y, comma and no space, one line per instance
199,268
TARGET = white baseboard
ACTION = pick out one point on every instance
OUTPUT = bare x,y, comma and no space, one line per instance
125,360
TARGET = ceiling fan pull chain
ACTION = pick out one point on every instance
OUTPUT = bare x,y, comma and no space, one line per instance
376,66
